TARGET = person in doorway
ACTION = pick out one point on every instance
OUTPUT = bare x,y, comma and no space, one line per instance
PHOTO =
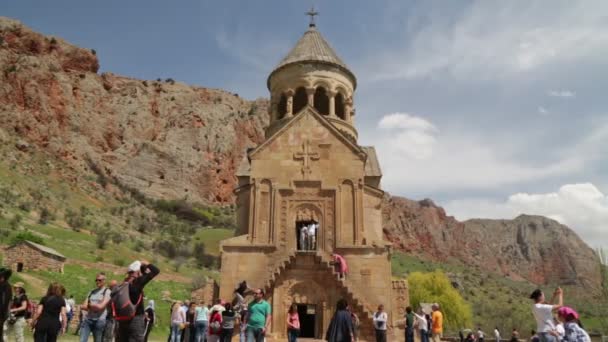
340,265
422,326
543,313
259,317
95,304
303,237
496,334
50,318
437,318
293,323
150,316
18,310
139,274
6,294
312,236
341,326
380,320
409,324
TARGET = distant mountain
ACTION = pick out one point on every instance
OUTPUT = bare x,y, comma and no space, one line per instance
167,140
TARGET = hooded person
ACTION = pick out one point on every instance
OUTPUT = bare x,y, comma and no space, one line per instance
6,296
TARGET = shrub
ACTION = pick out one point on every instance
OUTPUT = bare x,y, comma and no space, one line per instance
45,216
119,262
99,258
198,281
15,222
93,52
26,206
103,236
53,41
27,235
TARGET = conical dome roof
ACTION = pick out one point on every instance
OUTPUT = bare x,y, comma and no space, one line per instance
312,47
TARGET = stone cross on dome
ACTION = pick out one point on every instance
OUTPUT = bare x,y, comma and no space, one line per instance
312,13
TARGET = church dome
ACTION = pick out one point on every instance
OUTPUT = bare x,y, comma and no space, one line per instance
313,48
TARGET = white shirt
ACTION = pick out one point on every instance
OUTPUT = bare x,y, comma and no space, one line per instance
480,334
312,229
380,319
497,334
560,331
422,324
543,313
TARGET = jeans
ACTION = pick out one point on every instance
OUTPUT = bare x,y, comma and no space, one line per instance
200,334
243,334
424,336
131,331
409,334
292,335
176,332
226,335
17,327
108,331
255,334
546,337
94,326
380,335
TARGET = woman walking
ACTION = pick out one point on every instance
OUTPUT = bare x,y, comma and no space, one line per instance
293,324
178,321
50,318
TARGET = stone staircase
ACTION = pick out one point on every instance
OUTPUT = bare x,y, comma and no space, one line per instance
279,267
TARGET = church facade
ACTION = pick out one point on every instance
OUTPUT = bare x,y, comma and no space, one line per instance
307,191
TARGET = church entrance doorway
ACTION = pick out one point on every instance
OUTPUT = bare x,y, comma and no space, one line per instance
306,235
308,315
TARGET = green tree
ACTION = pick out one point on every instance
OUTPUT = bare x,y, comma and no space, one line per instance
435,287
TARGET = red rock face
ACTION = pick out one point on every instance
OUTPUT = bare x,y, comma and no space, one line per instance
534,248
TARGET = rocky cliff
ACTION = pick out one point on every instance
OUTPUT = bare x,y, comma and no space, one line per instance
534,248
164,138
170,140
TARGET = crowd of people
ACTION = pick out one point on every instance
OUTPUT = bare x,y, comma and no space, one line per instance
109,312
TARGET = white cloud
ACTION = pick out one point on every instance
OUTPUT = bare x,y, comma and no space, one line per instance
542,110
582,207
561,93
491,40
410,136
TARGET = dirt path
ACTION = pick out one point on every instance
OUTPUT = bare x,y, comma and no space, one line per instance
120,270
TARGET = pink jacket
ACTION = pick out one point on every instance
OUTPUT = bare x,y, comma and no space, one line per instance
342,262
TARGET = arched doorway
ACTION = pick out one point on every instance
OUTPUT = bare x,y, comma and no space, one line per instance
307,222
311,301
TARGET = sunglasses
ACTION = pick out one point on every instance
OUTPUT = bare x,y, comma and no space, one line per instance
99,280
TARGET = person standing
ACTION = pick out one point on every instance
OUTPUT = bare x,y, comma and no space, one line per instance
303,237
543,313
229,317
409,324
139,274
189,333
95,304
312,234
17,310
6,295
380,319
215,324
202,322
109,330
50,318
496,334
480,335
259,317
341,327
178,322
150,316
243,325
423,326
572,327
293,323
355,321
437,318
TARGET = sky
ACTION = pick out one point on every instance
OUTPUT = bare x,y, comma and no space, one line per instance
490,108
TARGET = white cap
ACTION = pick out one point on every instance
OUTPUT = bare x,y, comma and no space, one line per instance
135,266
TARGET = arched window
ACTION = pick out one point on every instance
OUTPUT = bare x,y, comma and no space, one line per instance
321,101
339,103
282,106
299,100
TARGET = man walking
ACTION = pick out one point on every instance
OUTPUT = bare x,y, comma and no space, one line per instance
259,317
437,318
139,274
95,304
380,319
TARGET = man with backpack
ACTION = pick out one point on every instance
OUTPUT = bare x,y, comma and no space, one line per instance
127,302
95,304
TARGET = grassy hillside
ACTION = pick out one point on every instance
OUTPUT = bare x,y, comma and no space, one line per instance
501,302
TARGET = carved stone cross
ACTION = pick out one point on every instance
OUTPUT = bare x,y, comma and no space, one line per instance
306,156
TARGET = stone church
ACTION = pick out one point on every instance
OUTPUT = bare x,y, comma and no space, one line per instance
310,171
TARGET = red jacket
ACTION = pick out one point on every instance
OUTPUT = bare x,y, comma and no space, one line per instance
216,316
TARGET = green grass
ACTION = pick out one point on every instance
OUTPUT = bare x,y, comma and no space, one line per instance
212,237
